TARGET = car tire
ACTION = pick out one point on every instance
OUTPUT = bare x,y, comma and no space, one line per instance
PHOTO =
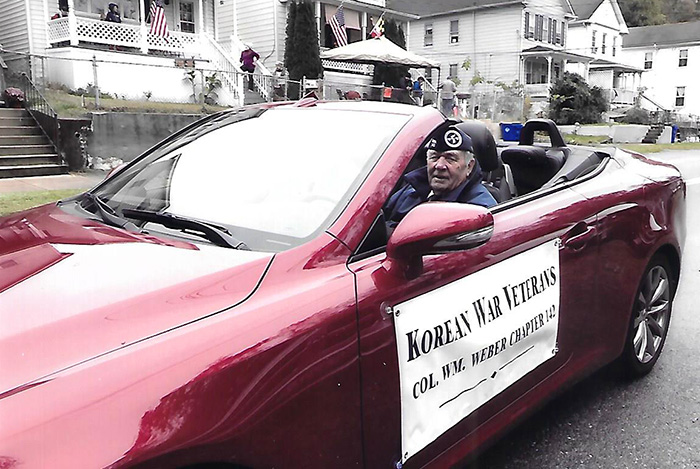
651,317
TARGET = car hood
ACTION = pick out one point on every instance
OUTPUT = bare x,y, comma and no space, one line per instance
73,289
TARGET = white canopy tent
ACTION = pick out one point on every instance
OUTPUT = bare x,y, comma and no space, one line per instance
378,50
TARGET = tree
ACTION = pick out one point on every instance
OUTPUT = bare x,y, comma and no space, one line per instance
642,12
301,56
391,75
571,100
677,11
289,34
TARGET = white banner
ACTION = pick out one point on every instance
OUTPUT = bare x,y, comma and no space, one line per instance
464,343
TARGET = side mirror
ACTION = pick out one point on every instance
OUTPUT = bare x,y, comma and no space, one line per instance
436,228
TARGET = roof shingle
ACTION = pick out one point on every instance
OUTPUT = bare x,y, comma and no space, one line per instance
663,35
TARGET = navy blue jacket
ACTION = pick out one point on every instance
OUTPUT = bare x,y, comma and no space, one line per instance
417,189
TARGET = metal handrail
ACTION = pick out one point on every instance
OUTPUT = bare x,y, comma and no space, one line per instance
42,111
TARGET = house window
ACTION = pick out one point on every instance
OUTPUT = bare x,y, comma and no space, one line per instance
614,49
680,96
454,31
428,36
550,35
556,39
526,29
545,29
563,33
602,44
187,17
683,58
539,26
594,49
453,71
647,60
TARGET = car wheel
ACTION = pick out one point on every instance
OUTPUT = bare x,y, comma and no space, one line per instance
650,320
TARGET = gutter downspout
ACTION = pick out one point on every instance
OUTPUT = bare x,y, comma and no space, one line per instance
30,39
274,31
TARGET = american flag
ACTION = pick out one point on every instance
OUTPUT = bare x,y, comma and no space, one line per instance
337,23
159,26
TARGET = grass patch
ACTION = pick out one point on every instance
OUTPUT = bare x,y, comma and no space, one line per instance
17,201
573,139
657,147
69,105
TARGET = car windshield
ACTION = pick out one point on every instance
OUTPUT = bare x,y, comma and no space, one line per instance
272,181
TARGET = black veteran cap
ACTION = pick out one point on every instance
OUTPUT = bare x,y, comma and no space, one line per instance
451,139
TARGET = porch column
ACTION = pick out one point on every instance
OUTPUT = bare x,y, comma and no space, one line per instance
318,20
201,17
363,27
144,30
549,70
72,24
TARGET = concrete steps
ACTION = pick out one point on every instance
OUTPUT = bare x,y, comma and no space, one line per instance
252,97
24,149
653,133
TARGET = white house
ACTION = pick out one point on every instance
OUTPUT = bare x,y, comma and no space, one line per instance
71,44
502,42
670,57
78,48
597,32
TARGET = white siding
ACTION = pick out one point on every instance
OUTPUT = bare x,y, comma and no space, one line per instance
603,21
224,22
256,26
490,39
13,29
665,76
605,16
281,31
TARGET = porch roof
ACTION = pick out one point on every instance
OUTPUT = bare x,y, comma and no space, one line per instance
602,64
544,51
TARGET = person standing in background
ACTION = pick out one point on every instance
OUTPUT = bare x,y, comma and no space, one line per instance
447,103
248,58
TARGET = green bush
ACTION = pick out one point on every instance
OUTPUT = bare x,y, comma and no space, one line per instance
636,115
571,100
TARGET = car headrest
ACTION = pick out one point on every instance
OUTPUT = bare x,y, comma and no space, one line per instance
483,143
527,133
525,155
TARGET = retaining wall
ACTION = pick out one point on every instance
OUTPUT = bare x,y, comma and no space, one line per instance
127,135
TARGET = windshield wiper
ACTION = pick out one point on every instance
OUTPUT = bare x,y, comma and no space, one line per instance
108,214
213,233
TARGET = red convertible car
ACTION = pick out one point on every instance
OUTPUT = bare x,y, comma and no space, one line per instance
233,298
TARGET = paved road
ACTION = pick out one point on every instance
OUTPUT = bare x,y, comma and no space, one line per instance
607,423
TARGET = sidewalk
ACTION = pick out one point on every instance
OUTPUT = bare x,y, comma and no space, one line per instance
82,180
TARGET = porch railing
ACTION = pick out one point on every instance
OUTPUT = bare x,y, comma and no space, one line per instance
41,110
338,66
231,76
120,34
539,89
620,96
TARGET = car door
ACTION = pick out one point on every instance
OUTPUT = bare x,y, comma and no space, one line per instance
542,246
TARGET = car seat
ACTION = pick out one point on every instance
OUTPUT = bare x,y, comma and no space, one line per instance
533,165
496,174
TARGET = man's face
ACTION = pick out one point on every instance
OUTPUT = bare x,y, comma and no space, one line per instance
447,170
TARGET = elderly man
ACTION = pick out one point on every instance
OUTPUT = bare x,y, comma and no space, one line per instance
451,175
